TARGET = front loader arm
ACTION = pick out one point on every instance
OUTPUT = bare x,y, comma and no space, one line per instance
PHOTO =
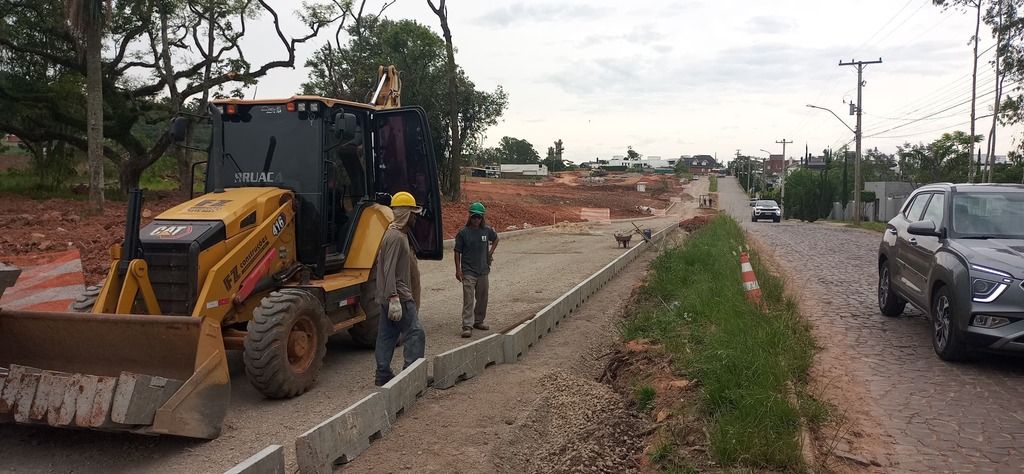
128,277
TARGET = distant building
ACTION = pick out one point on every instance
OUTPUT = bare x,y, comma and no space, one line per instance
534,169
700,164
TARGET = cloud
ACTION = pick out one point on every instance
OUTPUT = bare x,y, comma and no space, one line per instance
520,13
770,25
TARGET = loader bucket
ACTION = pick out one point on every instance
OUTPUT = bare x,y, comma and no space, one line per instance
111,372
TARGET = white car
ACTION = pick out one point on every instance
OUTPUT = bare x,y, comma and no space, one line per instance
766,209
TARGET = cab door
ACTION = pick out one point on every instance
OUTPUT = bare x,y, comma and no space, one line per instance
404,161
919,250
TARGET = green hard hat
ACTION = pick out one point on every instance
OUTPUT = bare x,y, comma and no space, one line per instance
476,208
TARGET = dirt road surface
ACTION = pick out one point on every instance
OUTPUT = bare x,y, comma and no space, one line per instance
530,270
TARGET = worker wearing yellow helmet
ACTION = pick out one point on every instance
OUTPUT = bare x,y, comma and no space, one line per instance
395,292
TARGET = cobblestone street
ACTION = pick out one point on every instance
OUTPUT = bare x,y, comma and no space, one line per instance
938,416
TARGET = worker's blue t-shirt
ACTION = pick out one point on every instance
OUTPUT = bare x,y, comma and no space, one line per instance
473,244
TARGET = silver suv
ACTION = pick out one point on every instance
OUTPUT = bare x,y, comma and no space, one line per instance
765,209
956,252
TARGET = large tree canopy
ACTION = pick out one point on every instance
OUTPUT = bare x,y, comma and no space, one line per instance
349,71
157,57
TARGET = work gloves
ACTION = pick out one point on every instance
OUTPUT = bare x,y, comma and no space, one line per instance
394,309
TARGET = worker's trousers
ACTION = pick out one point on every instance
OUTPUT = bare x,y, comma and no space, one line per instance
388,332
474,299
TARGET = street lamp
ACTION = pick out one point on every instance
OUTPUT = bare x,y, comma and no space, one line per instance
856,166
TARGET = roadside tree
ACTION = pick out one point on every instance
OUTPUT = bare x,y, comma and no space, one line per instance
420,55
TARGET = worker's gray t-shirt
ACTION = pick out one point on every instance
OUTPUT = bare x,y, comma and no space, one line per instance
393,274
473,244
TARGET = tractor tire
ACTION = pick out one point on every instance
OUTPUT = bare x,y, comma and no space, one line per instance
286,344
87,300
364,334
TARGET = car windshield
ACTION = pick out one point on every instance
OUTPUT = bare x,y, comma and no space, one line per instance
767,203
988,215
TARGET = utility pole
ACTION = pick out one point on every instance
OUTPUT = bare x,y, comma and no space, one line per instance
782,205
859,132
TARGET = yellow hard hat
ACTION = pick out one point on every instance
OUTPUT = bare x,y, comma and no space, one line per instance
403,199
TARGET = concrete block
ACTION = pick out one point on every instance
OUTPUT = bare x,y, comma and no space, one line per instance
467,361
343,436
95,396
545,323
268,461
518,341
401,392
8,276
138,397
63,403
26,394
20,383
4,418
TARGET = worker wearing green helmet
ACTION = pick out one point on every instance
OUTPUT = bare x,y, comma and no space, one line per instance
474,252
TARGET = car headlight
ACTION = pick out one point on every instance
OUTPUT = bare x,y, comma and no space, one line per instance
986,291
985,288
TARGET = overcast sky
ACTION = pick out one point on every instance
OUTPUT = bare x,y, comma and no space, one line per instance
690,77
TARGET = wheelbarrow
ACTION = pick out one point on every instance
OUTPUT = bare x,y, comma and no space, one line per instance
623,239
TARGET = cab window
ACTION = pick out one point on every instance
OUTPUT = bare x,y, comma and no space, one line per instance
936,209
916,207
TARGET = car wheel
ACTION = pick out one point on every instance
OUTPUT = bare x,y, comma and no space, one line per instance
888,301
753,219
946,338
777,219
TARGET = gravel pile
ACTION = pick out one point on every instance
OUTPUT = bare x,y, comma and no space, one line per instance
588,428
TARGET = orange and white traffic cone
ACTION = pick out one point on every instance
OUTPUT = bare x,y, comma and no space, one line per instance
750,281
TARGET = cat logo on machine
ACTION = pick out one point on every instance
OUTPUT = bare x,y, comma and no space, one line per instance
279,225
171,232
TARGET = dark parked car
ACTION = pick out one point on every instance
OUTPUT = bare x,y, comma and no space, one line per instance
956,252
766,209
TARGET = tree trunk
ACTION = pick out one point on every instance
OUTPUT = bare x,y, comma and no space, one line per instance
452,188
94,113
974,89
131,173
990,160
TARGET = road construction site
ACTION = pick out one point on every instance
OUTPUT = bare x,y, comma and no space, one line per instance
531,270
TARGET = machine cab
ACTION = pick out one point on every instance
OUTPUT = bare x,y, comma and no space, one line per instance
338,157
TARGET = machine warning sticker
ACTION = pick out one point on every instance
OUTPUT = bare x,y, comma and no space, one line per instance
171,232
279,225
207,206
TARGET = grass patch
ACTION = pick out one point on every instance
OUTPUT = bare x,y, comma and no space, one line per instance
742,356
644,398
713,183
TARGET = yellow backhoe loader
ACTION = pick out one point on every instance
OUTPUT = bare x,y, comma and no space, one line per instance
274,257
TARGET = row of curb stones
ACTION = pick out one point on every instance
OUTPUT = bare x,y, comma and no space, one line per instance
341,438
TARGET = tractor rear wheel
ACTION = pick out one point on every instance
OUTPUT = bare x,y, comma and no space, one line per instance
85,302
364,334
286,344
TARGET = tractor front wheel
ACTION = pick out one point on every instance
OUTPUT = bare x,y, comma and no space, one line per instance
286,344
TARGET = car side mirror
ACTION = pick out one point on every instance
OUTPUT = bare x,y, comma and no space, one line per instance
179,128
925,227
344,126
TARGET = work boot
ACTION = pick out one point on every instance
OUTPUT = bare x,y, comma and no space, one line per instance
481,326
467,331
